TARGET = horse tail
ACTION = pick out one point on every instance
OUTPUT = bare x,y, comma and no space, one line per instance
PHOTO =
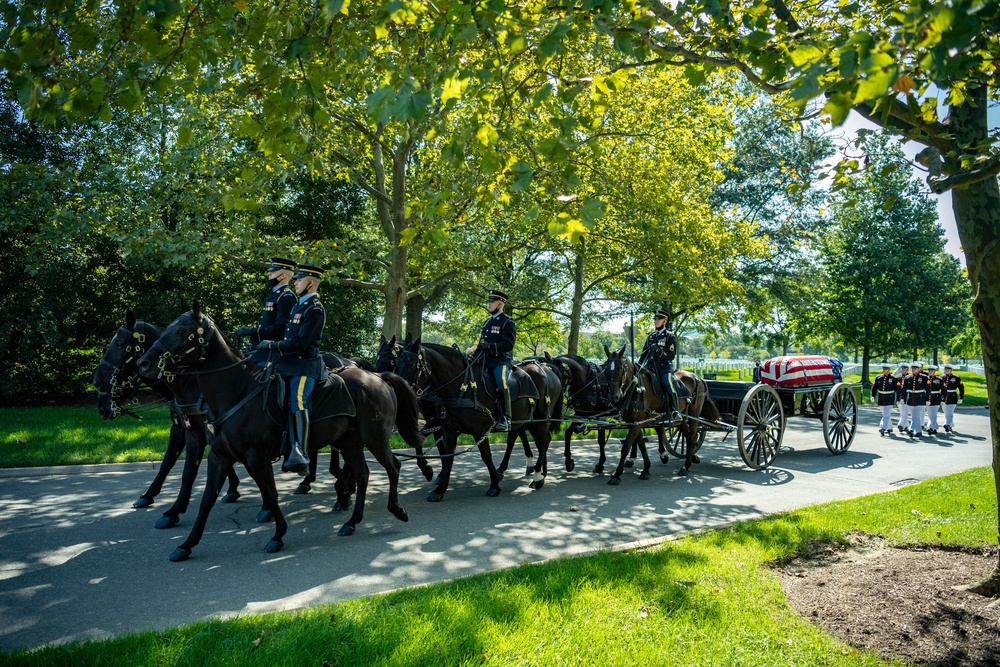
709,410
406,411
556,423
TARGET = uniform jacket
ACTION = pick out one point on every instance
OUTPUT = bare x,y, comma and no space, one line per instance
496,341
900,394
954,389
274,314
915,388
660,349
884,389
299,350
935,389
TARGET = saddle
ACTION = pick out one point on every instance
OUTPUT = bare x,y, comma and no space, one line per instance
666,401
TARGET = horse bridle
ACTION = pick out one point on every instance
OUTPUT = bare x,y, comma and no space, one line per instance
623,381
201,334
422,377
393,354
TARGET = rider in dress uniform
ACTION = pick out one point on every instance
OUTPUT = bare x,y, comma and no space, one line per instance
275,311
954,394
935,392
659,350
884,393
300,362
903,424
496,342
915,386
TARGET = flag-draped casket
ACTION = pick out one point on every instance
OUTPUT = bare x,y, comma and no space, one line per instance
800,371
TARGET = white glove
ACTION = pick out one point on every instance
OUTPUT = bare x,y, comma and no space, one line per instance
960,401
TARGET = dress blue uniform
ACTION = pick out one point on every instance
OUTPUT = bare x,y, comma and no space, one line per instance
496,344
660,349
299,360
273,313
935,392
884,394
954,393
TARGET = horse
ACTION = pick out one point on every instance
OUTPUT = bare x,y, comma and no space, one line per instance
247,422
548,410
645,405
444,377
589,395
187,413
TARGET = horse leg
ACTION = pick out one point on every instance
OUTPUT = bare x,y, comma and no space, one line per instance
261,469
175,445
383,454
530,465
689,430
511,439
661,438
334,463
542,436
194,449
446,447
633,452
345,486
601,441
354,460
633,433
570,464
218,467
305,486
487,455
646,463
422,464
232,495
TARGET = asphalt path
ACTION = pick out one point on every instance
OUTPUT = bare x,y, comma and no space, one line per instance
78,563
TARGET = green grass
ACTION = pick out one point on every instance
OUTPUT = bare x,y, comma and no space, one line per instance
703,600
57,436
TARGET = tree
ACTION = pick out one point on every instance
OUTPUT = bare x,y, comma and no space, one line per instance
888,284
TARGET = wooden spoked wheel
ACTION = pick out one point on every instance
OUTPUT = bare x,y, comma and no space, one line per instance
760,426
840,418
676,443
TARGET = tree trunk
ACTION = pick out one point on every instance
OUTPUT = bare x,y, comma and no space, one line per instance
415,315
577,312
866,357
977,213
395,294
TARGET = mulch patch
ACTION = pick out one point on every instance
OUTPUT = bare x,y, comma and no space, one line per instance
899,603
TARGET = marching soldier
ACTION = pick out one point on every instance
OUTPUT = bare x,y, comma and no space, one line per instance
300,362
496,342
954,394
659,350
903,424
884,393
274,313
935,392
915,387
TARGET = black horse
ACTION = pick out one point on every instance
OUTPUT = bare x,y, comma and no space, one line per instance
548,410
589,396
643,405
118,380
247,422
465,401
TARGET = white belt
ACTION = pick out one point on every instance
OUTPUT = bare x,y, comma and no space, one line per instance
886,392
918,391
953,391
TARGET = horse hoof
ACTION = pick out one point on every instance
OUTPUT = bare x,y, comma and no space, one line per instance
570,465
302,489
695,458
400,514
142,502
230,497
664,458
614,481
180,554
536,485
166,521
341,507
428,472
492,492
265,516
644,474
629,463
346,530
434,497
683,472
598,469
274,546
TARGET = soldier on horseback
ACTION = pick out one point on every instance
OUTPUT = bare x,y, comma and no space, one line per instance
658,354
274,312
300,362
496,343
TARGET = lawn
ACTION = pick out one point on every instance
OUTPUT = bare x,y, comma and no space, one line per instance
710,599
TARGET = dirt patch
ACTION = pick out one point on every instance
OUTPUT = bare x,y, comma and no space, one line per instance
899,603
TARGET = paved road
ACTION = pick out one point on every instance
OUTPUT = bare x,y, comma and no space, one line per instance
76,562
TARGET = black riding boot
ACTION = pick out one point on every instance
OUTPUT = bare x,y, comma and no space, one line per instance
298,460
503,405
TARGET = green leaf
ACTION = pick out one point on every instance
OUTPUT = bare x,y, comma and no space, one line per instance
552,150
523,174
334,7
874,85
806,55
694,74
838,105
183,135
591,211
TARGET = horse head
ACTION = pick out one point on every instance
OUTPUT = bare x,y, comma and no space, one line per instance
617,372
117,375
410,364
385,358
184,344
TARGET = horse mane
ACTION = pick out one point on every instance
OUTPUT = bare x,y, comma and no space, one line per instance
577,358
